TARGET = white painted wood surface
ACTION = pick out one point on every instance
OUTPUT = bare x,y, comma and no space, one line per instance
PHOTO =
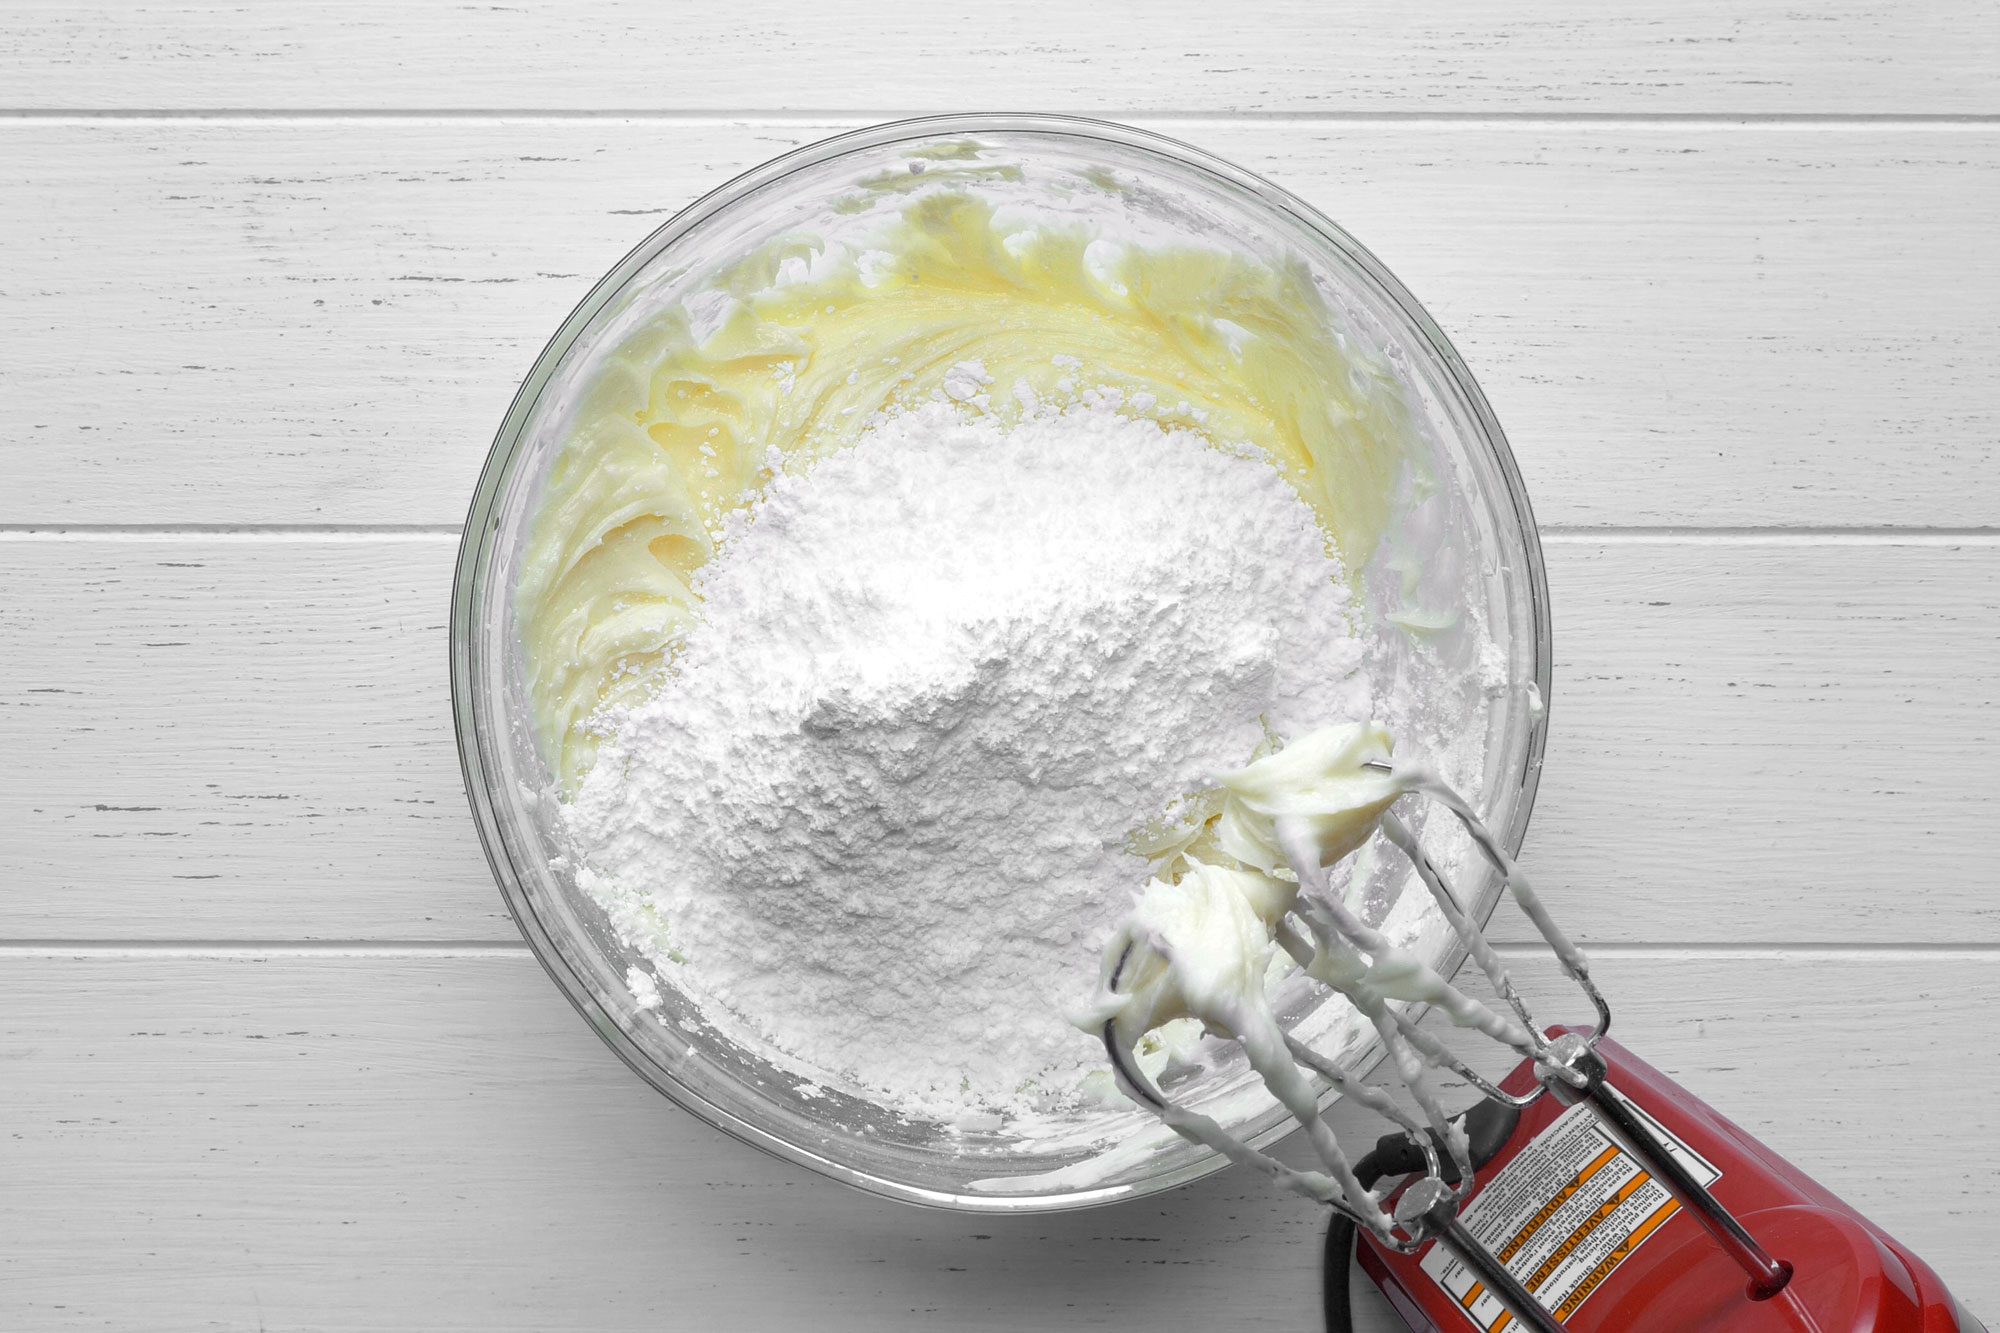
1807,307
1120,57
366,1140
270,1056
247,737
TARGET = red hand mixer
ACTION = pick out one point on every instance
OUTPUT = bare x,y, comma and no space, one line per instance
1629,1204
1586,1191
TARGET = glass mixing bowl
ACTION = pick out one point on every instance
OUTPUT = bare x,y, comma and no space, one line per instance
1462,536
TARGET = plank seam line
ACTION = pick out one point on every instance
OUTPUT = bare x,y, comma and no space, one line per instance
1794,948
1591,534
277,532
264,948
1581,534
17,948
1720,119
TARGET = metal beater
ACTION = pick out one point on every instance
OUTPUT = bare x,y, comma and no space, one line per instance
1564,1066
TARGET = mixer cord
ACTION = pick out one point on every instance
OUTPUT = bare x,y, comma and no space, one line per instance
1488,1126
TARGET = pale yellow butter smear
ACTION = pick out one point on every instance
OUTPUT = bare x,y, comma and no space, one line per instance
800,345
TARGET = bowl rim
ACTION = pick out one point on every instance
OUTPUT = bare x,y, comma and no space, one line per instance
480,531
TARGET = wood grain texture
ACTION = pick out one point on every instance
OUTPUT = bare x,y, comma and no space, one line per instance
1720,266
346,1143
1452,55
325,320
222,738
235,740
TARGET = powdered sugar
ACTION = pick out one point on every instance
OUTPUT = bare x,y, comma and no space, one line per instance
875,819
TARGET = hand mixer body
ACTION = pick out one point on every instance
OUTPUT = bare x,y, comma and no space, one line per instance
1607,1248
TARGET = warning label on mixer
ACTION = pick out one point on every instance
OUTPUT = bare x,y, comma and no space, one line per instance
1562,1216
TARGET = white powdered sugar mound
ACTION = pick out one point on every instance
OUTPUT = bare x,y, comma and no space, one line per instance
876,817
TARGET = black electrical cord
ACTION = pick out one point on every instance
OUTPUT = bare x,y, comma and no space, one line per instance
1488,1126
1338,1265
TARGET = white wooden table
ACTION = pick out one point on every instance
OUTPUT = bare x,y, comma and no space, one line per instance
271,1054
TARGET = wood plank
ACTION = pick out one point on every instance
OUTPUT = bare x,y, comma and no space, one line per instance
1289,55
357,1142
235,740
1764,741
250,739
1719,324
